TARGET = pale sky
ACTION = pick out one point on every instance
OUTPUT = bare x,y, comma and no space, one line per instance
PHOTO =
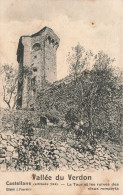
71,20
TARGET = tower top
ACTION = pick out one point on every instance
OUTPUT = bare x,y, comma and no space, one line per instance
44,33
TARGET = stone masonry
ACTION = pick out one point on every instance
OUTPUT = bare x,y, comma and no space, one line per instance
36,55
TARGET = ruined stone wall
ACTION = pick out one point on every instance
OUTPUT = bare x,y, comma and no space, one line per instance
39,61
44,58
50,61
26,41
60,95
27,51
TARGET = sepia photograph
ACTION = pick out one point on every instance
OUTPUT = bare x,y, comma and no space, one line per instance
61,97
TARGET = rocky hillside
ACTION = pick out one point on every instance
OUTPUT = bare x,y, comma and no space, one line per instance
39,153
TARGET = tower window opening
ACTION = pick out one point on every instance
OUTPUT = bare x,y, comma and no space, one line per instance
36,47
34,90
33,81
35,69
56,45
49,38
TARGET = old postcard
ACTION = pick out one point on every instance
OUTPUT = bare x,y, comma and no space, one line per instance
61,104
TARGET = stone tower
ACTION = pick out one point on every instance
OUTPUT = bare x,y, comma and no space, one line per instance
36,56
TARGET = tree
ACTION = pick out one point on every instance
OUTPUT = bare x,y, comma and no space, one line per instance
104,96
98,91
9,83
78,60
